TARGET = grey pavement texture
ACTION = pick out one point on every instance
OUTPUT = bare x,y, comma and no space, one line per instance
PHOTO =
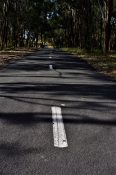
28,90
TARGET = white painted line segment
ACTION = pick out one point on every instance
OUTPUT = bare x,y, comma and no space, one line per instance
50,57
51,67
63,105
59,133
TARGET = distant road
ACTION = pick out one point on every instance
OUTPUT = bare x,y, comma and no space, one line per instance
57,117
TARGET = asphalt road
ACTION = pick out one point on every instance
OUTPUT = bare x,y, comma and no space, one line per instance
29,88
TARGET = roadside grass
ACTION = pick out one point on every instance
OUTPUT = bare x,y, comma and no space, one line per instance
104,63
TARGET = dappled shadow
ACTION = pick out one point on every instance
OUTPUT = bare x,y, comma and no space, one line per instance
105,91
56,91
70,103
10,149
25,119
71,66
40,61
30,119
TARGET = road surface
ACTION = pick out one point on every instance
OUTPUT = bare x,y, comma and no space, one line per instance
57,117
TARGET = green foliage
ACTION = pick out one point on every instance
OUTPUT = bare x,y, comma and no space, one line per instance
65,23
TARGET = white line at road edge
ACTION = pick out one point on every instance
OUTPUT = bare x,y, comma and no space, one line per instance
59,133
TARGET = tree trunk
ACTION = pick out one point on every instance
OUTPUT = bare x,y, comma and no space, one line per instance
107,25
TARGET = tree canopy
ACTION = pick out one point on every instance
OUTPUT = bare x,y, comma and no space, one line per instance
65,23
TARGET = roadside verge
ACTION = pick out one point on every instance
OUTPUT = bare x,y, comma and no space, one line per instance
6,56
105,64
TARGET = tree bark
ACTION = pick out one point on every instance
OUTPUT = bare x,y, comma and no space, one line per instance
107,25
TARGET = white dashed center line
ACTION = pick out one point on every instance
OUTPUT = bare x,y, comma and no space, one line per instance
51,67
59,133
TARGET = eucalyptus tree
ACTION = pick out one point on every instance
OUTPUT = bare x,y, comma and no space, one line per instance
84,23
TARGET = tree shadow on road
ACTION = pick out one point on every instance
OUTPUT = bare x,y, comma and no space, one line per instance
103,90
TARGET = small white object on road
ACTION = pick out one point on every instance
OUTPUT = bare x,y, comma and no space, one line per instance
59,133
50,57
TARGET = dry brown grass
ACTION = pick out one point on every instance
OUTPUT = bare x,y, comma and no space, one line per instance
7,55
105,64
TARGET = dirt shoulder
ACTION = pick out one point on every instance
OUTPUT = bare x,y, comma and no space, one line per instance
104,64
8,55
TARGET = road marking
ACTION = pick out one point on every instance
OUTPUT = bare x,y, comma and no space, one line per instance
51,67
59,133
63,105
50,57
